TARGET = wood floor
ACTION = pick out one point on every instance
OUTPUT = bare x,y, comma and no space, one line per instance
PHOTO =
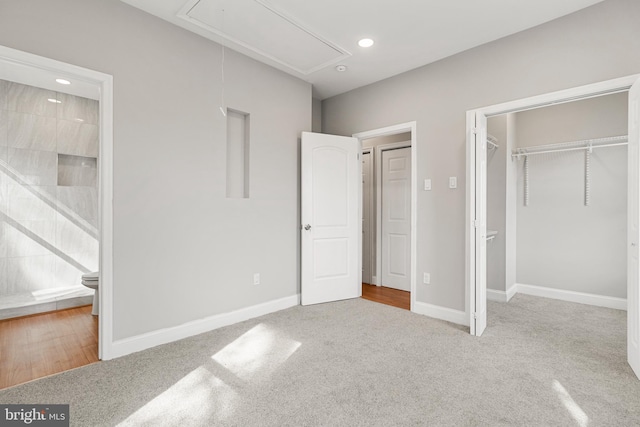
388,296
36,346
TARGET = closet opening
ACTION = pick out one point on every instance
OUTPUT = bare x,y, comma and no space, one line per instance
388,213
557,202
553,203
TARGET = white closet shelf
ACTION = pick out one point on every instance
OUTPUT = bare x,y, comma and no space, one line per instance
587,144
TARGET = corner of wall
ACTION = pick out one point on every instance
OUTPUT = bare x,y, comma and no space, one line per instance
316,115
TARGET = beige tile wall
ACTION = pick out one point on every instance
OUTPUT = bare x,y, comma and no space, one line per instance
48,188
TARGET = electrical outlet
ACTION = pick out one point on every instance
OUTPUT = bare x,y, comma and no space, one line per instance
256,278
426,279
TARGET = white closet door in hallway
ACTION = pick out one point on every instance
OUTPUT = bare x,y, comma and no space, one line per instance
396,218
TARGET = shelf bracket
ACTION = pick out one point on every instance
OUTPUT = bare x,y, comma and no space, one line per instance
526,181
587,176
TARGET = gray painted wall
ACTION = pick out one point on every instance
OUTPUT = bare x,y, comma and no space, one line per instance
182,251
502,174
561,243
589,46
496,203
316,120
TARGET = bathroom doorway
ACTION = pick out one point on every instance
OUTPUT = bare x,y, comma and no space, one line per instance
55,212
49,212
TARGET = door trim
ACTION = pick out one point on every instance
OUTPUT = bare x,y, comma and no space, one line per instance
104,82
378,168
574,94
372,212
392,130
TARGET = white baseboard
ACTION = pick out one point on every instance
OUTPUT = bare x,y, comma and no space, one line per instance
163,336
502,296
442,313
572,296
494,295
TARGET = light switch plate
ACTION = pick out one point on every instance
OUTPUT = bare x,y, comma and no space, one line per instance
453,182
427,184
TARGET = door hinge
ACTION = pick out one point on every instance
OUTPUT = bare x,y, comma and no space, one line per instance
476,223
475,316
475,131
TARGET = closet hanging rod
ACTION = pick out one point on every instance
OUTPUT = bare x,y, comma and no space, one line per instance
588,144
568,149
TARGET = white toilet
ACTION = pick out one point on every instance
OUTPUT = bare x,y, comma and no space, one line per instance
92,280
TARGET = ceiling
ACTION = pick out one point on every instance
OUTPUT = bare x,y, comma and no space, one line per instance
308,38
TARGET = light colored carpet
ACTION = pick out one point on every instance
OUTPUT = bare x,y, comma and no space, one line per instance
541,362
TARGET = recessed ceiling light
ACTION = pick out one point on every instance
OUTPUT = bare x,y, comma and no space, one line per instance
63,81
365,43
55,101
341,68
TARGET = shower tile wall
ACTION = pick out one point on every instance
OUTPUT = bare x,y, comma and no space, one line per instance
48,188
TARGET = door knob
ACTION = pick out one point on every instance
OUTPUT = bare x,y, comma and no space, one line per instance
307,227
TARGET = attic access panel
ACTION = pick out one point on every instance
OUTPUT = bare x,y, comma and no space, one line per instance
258,26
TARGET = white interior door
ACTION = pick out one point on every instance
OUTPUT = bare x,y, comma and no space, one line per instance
331,218
633,266
367,217
480,311
396,218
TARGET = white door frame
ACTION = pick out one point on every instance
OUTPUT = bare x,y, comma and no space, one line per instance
582,92
378,168
393,130
370,208
104,83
